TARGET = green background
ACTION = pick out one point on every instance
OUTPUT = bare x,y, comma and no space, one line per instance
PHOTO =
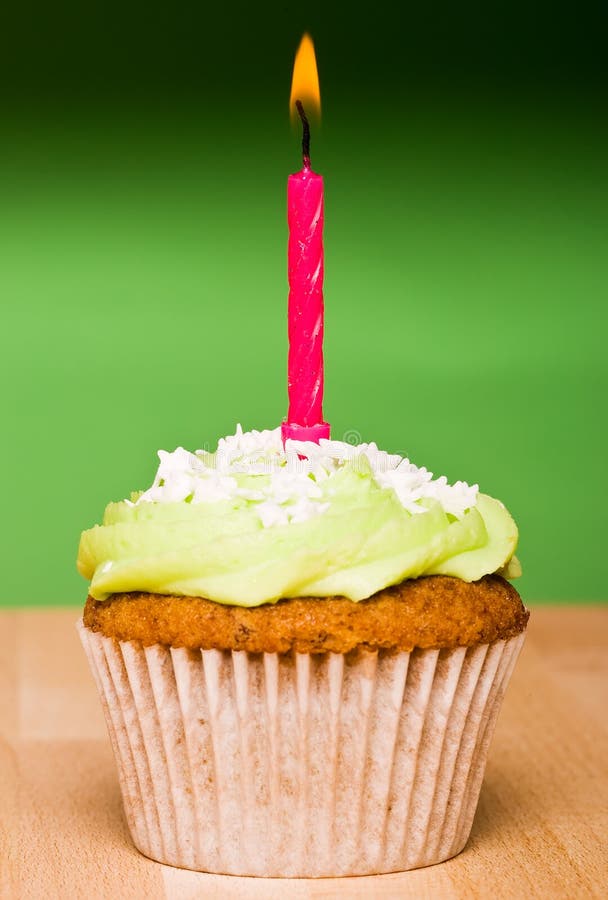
143,161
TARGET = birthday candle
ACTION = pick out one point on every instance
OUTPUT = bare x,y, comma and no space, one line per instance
305,273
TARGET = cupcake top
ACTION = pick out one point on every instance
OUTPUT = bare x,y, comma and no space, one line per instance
255,522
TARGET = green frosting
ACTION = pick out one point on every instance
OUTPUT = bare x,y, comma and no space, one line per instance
364,541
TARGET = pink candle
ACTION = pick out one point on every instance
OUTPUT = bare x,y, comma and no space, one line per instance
305,314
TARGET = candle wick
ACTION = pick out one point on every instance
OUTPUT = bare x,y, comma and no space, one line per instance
305,135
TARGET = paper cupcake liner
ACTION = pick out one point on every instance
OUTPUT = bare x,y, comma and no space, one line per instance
300,765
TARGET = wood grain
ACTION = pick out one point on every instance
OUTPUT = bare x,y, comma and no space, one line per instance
540,830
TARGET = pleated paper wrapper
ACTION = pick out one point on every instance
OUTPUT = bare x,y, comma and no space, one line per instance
297,765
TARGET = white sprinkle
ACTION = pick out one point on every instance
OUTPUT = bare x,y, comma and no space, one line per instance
294,483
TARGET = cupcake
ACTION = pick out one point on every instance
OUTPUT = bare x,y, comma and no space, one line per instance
301,652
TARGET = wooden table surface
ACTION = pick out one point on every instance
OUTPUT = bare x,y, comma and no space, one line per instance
541,828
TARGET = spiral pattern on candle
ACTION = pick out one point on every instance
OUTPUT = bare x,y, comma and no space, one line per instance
305,270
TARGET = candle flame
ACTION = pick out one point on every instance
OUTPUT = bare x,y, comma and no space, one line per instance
305,81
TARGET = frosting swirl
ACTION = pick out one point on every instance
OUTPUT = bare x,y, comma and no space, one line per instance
255,522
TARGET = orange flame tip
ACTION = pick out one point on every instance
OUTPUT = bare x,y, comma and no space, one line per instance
305,81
